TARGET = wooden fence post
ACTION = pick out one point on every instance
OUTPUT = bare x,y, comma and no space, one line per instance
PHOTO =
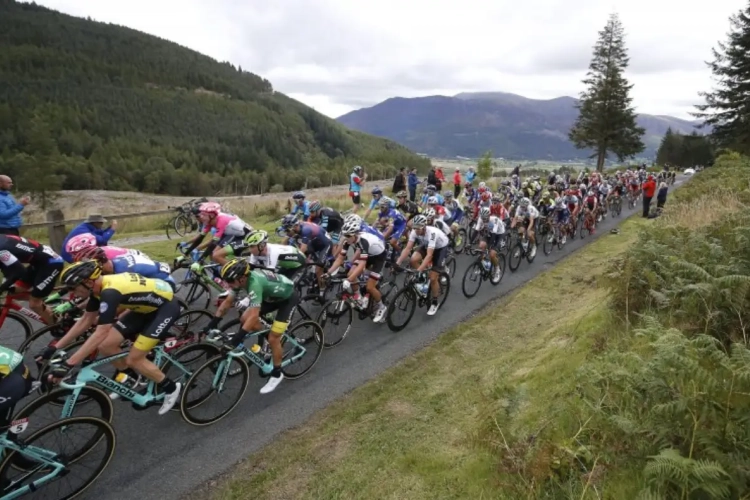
56,230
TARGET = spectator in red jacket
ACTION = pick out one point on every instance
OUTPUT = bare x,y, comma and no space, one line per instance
649,189
440,179
457,183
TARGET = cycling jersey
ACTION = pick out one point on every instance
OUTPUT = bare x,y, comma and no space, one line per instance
590,201
409,208
279,257
530,212
439,197
494,225
394,217
471,195
445,228
140,264
366,228
453,212
44,264
227,225
367,245
499,210
330,220
9,361
303,208
267,286
432,238
129,291
571,201
17,250
114,252
312,235
374,203
355,183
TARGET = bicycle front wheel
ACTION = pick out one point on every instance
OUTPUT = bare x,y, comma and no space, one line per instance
302,349
182,225
195,293
405,302
472,281
81,464
15,330
336,321
214,390
514,259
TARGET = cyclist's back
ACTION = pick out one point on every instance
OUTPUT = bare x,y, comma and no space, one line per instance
142,265
286,259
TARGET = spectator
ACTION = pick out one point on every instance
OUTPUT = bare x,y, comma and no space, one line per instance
516,170
471,175
413,183
457,183
649,189
399,183
661,196
10,210
440,178
432,177
93,224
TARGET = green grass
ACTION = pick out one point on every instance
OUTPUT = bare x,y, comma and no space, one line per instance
451,421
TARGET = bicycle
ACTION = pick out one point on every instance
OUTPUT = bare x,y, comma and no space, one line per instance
415,293
521,249
553,238
588,225
615,205
232,365
196,287
185,222
482,269
32,464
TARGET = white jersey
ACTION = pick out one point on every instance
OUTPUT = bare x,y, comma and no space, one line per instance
368,245
494,225
274,252
530,212
443,226
432,238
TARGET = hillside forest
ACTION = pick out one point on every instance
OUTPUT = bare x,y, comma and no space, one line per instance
89,105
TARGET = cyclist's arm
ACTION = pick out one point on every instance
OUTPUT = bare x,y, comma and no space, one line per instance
427,261
339,259
406,251
357,269
83,324
108,304
12,272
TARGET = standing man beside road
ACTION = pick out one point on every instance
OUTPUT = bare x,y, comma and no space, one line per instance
94,224
399,183
471,175
356,181
413,183
10,209
649,189
457,183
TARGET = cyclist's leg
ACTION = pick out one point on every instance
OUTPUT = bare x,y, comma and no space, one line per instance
156,328
284,311
13,388
375,265
42,285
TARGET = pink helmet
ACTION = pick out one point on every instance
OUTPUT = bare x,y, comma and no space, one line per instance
210,207
78,243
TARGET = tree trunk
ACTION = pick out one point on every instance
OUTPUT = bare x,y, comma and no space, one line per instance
600,157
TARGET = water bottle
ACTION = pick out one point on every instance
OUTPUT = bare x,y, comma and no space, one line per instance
486,263
423,287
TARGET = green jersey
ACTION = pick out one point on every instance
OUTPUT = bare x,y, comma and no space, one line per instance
9,361
266,286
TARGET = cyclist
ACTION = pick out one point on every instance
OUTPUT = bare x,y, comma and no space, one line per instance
369,254
266,292
87,240
228,239
283,259
394,224
356,181
453,210
526,215
31,266
431,191
300,206
490,229
311,239
327,218
138,264
590,206
151,308
562,211
435,221
15,383
406,207
432,249
377,196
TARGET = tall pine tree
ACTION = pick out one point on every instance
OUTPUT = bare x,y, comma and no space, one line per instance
727,107
606,120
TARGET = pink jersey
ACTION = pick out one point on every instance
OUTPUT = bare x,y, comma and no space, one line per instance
112,252
226,224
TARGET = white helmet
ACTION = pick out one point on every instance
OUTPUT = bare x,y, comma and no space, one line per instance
419,221
525,202
484,213
429,213
352,225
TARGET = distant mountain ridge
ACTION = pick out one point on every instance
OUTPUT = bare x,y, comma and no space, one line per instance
470,123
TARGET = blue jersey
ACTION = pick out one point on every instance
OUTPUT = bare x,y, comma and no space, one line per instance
439,197
397,219
374,202
140,264
304,208
354,180
312,234
456,212
371,230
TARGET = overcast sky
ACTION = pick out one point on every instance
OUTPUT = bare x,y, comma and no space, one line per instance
340,55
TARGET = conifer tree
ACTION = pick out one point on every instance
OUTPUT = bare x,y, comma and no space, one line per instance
607,121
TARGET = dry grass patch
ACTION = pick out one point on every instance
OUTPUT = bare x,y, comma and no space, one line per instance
702,212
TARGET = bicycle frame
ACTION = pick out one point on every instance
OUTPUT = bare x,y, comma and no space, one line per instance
11,304
46,458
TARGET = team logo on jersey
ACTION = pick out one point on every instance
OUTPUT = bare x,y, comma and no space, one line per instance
103,307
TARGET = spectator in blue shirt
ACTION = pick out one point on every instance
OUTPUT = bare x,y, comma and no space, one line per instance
413,183
93,224
471,175
10,209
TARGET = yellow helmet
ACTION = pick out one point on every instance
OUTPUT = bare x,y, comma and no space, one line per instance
79,272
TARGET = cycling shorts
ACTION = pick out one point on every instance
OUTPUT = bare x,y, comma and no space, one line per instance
356,198
283,308
563,216
232,245
319,248
41,278
438,256
148,329
375,264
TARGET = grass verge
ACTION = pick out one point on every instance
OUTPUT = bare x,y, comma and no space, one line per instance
455,419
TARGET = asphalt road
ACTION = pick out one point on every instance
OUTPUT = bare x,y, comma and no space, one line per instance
163,458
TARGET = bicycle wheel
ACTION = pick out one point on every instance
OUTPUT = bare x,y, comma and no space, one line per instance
501,265
207,387
169,227
444,279
182,225
583,231
46,409
404,301
514,259
15,330
529,255
190,358
459,243
450,265
41,479
472,280
308,336
308,308
549,243
336,321
195,293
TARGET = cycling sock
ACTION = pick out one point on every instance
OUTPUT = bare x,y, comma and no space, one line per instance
276,372
167,385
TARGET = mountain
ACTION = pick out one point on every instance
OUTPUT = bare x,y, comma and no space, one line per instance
468,124
89,105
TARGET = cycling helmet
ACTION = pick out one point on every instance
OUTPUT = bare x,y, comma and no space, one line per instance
486,196
314,206
79,242
582,187
524,185
429,213
80,272
419,221
545,194
496,199
525,202
402,194
352,225
505,182
514,176
376,190
210,207
431,188
256,238
289,220
448,195
235,269
591,192
619,183
91,253
384,204
432,200
484,213
357,168
482,184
